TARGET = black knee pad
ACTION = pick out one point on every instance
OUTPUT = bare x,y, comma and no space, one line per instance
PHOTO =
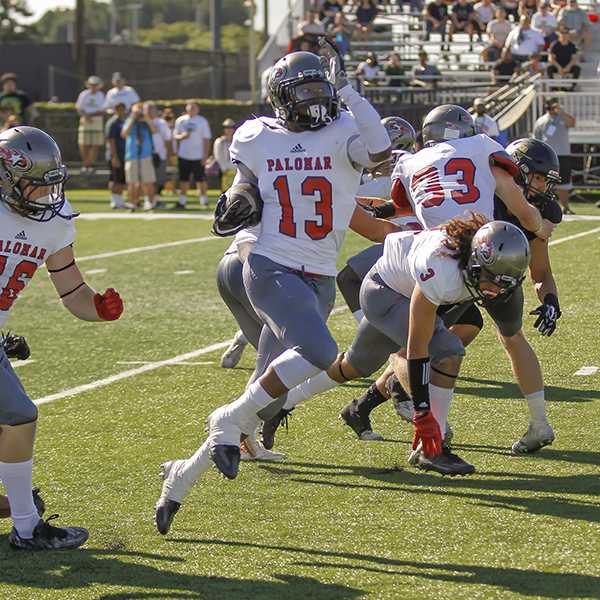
471,316
349,285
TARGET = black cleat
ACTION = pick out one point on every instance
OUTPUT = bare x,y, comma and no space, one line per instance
165,513
38,501
359,422
227,459
445,463
48,537
270,426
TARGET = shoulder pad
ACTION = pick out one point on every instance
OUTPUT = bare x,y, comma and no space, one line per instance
249,130
503,160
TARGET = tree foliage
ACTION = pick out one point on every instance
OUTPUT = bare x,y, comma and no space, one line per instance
11,12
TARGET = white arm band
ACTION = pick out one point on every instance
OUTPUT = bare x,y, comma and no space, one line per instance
368,121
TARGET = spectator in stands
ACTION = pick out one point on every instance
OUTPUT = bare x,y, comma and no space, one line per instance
169,116
424,74
512,9
368,71
485,11
8,122
576,19
545,22
553,128
120,92
329,9
524,41
461,19
527,7
497,30
192,131
312,25
436,19
342,33
13,100
483,122
534,66
161,147
139,170
365,17
90,135
505,69
394,70
221,154
115,153
563,58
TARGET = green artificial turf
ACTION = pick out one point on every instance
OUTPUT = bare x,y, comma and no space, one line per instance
339,519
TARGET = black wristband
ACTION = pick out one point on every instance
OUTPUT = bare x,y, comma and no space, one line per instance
553,301
384,211
418,379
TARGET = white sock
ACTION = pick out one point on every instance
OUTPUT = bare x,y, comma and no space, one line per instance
189,471
17,479
182,198
240,338
358,315
536,403
116,198
440,399
309,388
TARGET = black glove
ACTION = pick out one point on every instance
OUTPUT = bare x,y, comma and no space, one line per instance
548,313
14,346
383,211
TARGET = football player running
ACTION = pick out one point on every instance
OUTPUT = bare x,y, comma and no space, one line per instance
36,228
306,164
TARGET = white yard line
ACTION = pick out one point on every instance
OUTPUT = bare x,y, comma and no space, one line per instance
21,363
587,371
149,362
95,271
142,217
574,236
185,272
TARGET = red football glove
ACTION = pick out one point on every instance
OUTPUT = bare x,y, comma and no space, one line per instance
109,305
427,431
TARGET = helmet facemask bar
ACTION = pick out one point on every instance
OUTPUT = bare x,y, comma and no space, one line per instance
309,103
474,274
532,193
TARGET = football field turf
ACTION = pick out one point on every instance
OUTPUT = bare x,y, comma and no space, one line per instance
339,519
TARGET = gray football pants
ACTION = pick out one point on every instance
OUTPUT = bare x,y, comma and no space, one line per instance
15,406
384,328
294,307
230,282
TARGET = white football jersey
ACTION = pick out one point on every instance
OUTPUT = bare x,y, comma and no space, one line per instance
307,184
421,257
24,246
245,236
448,180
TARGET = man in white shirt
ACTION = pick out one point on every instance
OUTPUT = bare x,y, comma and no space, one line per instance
193,135
545,22
161,142
90,135
120,93
483,122
523,41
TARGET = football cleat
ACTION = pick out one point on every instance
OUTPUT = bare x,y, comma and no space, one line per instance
270,426
537,436
227,459
165,507
165,513
40,505
252,449
359,423
445,463
48,537
231,357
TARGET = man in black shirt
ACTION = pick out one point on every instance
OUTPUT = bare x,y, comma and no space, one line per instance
505,68
563,57
115,151
462,20
436,17
12,100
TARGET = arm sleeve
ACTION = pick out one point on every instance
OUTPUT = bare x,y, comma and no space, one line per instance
79,100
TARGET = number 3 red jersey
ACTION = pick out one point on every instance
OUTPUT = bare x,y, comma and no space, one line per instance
448,180
307,184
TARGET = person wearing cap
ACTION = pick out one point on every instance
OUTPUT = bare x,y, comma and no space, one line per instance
553,129
563,58
90,135
12,100
120,93
483,122
221,154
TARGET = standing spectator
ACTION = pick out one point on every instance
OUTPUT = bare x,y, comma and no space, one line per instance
90,107
368,70
13,100
553,128
545,22
115,153
436,18
563,57
193,134
394,70
162,140
120,93
523,41
139,170
461,19
576,19
342,33
365,16
221,154
497,30
483,122
329,9
169,116
425,75
312,25
504,69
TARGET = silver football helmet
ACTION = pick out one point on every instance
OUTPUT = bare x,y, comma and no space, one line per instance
500,255
402,133
30,163
446,123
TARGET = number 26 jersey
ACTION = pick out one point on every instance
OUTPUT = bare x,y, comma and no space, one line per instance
448,180
307,184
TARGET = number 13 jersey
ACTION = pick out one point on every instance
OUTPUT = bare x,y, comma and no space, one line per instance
448,180
308,185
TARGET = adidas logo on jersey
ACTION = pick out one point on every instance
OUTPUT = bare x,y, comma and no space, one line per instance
21,235
298,148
